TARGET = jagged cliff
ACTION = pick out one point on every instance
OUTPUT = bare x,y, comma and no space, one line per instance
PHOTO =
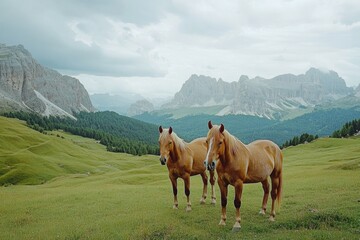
262,97
26,85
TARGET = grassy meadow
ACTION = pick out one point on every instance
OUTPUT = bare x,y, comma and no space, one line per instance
60,186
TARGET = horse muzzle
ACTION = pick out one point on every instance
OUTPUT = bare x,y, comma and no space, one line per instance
163,160
210,167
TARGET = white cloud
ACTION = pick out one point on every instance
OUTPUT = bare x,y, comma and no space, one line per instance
152,47
149,87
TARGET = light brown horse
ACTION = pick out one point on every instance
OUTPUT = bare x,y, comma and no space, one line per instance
239,163
184,160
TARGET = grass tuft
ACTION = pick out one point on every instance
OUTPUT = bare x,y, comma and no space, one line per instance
349,165
325,221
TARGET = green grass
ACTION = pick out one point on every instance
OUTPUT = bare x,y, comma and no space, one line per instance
28,157
88,193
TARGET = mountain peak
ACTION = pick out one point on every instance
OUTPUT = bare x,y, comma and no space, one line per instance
321,71
26,85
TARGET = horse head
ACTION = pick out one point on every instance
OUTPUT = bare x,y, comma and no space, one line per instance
166,144
215,145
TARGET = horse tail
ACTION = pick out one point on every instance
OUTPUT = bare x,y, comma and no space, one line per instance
279,188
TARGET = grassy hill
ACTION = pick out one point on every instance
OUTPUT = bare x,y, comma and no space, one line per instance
118,133
88,193
29,157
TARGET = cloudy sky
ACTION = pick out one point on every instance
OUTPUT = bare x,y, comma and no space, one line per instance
153,47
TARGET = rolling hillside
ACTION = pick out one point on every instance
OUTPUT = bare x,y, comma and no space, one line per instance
118,133
29,157
82,191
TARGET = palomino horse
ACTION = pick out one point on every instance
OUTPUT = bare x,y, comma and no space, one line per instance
239,163
184,160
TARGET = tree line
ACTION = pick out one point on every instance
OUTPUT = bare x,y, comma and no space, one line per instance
303,138
348,129
118,133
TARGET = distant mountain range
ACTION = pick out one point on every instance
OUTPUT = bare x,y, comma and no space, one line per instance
317,102
283,97
26,85
276,98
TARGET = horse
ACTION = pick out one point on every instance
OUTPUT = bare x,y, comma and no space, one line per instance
184,160
239,163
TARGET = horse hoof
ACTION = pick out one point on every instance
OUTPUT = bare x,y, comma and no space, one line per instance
202,201
175,207
236,227
272,219
222,223
213,201
188,208
262,212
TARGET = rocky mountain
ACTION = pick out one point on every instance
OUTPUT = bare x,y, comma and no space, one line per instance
26,85
270,98
140,107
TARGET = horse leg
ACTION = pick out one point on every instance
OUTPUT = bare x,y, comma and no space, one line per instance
265,186
224,192
187,191
274,192
173,180
205,182
237,203
212,182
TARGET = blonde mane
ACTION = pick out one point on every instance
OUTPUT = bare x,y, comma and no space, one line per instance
235,146
179,143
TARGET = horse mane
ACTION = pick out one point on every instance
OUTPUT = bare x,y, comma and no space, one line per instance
235,146
179,143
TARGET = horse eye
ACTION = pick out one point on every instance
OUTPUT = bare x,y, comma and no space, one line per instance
207,142
170,143
220,143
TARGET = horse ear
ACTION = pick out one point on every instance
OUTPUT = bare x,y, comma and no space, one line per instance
210,125
170,130
160,129
222,128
